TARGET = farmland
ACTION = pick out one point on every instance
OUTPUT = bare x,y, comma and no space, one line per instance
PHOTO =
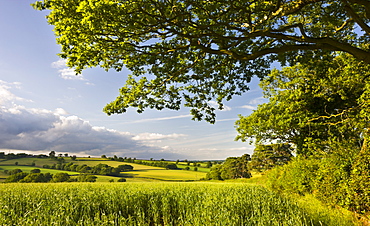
140,173
167,200
159,203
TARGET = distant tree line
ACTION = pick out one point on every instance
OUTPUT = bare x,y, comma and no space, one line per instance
52,155
100,169
35,176
9,156
162,162
264,157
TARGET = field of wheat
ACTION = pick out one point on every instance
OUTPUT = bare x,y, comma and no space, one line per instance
154,204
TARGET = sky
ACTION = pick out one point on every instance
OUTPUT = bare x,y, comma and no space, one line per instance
44,107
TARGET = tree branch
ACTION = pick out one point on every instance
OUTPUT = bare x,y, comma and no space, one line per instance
356,17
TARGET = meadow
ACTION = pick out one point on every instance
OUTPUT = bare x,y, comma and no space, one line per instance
170,203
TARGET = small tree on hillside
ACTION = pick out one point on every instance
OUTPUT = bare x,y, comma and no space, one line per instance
171,166
35,171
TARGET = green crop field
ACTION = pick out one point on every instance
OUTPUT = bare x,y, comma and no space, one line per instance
156,204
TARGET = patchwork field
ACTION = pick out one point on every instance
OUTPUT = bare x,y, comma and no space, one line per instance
140,173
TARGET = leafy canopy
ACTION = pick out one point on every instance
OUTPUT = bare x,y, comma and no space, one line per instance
195,51
312,105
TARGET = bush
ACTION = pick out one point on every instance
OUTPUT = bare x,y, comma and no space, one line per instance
360,183
298,176
36,171
86,178
35,178
171,166
46,166
15,171
121,180
60,177
16,177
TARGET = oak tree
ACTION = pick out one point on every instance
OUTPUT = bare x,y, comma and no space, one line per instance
191,52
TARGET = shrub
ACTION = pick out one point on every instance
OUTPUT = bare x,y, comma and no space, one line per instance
16,177
35,171
171,166
34,178
60,177
86,178
360,183
298,176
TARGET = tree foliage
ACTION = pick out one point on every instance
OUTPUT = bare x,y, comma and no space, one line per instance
312,105
232,168
197,51
266,157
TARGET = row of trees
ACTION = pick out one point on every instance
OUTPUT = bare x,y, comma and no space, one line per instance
100,169
8,156
35,176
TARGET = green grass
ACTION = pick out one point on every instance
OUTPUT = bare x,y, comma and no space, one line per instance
39,162
155,204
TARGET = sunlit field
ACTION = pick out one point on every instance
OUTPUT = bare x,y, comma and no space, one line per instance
141,173
155,204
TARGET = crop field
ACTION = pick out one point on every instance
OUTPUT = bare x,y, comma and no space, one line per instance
157,173
155,204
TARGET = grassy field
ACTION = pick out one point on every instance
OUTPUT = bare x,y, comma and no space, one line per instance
157,204
141,173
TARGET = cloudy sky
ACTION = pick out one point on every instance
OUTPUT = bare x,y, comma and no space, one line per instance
44,106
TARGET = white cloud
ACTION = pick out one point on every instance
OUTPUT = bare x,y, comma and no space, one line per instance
66,72
215,105
6,96
59,63
69,74
39,130
157,136
250,107
160,119
60,111
258,100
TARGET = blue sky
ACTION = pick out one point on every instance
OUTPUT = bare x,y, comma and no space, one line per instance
45,107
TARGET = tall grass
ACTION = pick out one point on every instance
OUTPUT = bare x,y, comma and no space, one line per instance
151,204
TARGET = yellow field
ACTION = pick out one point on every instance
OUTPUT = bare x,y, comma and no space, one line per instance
157,173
